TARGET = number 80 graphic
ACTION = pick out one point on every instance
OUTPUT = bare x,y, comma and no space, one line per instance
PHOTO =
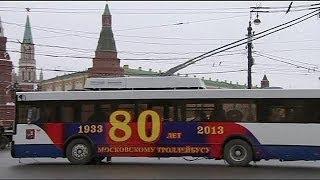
142,120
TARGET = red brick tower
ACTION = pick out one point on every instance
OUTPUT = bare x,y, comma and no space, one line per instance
106,62
265,82
6,85
5,70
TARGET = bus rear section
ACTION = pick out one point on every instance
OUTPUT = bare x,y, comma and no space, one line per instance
239,130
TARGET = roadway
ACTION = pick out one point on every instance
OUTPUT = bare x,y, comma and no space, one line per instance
153,168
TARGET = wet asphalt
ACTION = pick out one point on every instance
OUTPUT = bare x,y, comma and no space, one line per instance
153,168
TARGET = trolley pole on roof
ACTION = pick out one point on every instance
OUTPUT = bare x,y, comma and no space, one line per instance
250,60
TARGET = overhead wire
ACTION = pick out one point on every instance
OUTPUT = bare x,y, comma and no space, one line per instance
133,9
45,28
192,11
157,52
41,28
54,30
179,23
47,69
280,11
88,57
302,62
120,51
213,72
124,59
290,50
127,13
286,62
254,37
284,7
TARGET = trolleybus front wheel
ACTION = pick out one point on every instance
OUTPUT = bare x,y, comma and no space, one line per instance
79,151
237,152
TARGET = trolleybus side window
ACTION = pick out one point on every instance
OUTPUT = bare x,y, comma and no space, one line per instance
87,110
22,114
154,107
97,115
107,108
51,113
221,111
178,112
169,112
28,114
58,114
312,113
77,112
240,112
67,114
218,113
286,111
198,112
33,115
165,109
102,111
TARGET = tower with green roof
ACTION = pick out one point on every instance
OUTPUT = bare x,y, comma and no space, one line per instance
27,62
106,62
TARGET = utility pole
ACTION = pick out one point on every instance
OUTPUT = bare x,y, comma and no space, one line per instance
250,62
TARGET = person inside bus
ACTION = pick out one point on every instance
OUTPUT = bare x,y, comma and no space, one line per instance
34,115
277,114
218,114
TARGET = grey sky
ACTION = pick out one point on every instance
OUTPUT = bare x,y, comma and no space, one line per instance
300,42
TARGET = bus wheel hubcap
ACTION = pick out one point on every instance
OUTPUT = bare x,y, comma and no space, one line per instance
79,151
238,153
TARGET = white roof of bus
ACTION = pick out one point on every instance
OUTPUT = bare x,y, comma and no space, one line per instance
143,82
169,94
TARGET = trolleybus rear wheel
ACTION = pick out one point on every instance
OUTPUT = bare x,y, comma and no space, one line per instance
238,152
79,151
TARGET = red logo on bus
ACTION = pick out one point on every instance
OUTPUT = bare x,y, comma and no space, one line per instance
30,134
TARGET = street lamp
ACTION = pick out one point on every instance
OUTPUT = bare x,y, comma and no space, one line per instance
257,20
249,46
